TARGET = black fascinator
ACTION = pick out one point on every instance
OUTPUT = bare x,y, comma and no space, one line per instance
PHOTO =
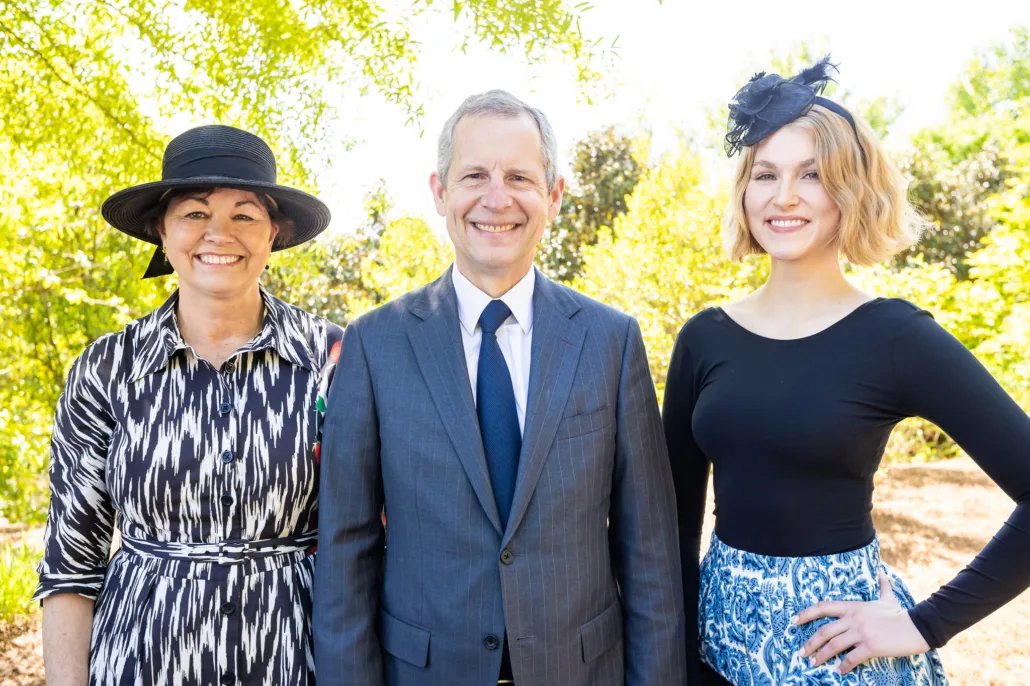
768,102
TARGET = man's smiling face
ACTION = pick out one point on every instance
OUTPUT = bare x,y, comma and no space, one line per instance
495,199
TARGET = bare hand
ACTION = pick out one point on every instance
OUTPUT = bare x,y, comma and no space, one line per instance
878,628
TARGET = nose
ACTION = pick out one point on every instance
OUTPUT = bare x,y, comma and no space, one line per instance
496,196
786,193
218,230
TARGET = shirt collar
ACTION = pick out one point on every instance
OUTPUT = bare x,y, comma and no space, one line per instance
472,301
157,336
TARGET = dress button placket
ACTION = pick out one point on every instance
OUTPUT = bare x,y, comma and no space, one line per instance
232,490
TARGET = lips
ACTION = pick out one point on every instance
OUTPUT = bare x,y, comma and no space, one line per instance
218,260
494,228
787,224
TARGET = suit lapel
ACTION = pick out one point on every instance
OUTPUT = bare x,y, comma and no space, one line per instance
438,350
557,344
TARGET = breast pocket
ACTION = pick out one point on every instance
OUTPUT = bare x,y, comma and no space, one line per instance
584,423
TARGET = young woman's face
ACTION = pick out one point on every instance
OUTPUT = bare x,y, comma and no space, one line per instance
218,242
788,210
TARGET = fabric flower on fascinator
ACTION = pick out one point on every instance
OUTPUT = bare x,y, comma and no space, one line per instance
768,102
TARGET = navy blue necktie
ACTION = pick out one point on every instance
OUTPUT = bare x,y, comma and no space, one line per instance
495,405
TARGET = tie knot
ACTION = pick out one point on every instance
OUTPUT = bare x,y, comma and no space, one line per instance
493,316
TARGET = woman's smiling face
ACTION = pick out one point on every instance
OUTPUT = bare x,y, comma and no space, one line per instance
788,209
218,241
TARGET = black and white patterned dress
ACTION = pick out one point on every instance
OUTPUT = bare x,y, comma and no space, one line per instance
214,479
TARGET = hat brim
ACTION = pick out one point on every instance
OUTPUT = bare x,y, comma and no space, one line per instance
125,209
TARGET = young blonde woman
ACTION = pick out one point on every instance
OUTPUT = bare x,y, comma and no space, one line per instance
790,395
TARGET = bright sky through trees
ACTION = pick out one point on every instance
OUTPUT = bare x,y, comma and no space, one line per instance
673,60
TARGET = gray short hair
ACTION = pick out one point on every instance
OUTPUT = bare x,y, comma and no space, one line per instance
498,103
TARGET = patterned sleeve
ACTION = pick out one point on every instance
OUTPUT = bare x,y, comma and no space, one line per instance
80,521
334,341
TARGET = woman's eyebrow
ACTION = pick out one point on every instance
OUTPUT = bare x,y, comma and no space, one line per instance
769,165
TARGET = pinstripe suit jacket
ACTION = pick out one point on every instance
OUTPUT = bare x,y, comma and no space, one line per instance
585,578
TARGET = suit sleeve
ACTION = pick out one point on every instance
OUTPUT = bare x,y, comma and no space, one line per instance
642,528
940,380
690,476
350,532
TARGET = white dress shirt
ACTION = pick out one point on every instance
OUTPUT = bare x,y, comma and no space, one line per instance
515,337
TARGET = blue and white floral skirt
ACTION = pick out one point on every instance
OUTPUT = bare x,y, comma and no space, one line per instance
746,603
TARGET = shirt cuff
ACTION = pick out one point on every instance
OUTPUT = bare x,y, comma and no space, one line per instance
924,618
86,585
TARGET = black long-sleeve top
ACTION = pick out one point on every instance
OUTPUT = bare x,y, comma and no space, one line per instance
795,430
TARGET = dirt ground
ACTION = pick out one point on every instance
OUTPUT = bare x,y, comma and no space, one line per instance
932,520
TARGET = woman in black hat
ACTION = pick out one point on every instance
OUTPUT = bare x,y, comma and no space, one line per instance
196,425
790,395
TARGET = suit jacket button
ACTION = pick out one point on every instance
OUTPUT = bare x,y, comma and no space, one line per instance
491,642
507,557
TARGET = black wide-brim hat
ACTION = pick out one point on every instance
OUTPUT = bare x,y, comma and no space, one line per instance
223,157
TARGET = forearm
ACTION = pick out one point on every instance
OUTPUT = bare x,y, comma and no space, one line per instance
67,629
996,576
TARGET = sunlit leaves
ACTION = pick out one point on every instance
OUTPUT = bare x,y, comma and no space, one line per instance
662,261
605,168
88,92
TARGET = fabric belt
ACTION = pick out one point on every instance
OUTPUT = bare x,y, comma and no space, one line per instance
227,552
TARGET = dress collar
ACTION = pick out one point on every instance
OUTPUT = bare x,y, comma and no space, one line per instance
157,336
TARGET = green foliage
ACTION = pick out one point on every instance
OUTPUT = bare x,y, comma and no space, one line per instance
662,261
344,275
324,276
88,91
996,80
409,255
880,113
605,168
18,580
953,186
959,166
1000,268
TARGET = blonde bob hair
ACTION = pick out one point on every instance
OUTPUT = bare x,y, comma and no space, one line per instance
876,219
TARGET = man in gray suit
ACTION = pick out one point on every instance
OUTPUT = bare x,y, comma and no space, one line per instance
510,428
